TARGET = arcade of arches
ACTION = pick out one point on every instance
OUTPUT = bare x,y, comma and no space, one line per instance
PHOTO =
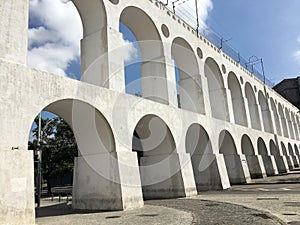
230,127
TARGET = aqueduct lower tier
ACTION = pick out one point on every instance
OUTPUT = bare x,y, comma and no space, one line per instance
230,127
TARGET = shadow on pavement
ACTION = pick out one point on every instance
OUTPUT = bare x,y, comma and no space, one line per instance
60,209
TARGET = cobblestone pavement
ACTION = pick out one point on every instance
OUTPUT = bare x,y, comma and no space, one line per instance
278,195
274,200
56,214
218,213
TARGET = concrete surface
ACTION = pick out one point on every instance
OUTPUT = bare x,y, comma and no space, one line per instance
54,213
274,200
278,195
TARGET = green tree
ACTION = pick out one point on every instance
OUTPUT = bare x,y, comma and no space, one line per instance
58,146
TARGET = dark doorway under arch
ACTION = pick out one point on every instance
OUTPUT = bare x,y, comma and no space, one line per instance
160,170
204,162
233,161
254,162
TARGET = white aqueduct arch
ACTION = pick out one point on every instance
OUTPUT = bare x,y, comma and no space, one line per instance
103,93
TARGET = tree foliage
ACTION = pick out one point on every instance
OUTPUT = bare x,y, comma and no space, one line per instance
58,146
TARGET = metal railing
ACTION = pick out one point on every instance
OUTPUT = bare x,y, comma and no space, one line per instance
223,45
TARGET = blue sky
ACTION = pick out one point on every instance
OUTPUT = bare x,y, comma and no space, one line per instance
268,29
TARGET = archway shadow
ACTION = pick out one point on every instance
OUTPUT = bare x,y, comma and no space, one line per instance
62,209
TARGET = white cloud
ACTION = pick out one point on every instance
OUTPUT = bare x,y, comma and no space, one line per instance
55,41
130,52
186,9
296,54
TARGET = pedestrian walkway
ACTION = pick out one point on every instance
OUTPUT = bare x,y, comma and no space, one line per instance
55,213
271,201
277,195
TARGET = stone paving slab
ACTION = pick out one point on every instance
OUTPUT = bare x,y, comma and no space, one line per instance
172,212
56,214
217,213
277,195
285,207
274,200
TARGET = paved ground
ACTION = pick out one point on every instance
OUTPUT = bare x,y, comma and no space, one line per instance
278,195
275,200
63,214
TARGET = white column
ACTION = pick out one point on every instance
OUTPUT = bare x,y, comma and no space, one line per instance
13,30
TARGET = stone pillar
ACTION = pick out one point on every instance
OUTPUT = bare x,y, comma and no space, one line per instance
171,82
102,61
205,92
108,181
258,122
249,122
270,164
237,169
282,164
116,60
13,30
230,106
261,119
154,82
16,187
191,94
210,172
256,166
221,110
171,179
289,161
187,174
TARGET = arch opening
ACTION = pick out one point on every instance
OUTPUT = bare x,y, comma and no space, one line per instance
233,161
279,159
48,34
254,162
95,144
56,147
276,116
189,88
292,154
289,122
237,98
205,167
159,166
152,65
283,121
253,107
268,160
295,126
217,91
287,156
297,152
265,112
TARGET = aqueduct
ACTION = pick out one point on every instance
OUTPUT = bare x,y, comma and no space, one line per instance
229,128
